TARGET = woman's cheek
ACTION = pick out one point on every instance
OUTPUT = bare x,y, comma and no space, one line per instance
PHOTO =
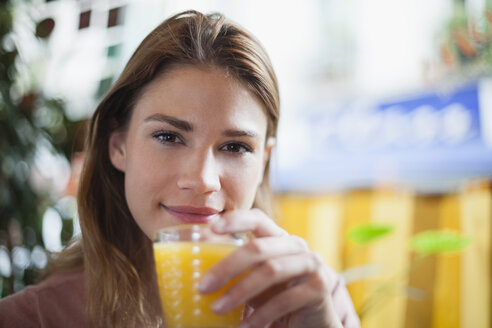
240,186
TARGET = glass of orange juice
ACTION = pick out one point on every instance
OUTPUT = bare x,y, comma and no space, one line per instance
182,255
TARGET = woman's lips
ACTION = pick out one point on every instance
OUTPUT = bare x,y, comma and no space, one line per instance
191,214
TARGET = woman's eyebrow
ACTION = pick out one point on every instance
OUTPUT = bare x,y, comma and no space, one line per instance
188,127
177,123
240,133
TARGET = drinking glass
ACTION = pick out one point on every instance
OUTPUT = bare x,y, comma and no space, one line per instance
182,255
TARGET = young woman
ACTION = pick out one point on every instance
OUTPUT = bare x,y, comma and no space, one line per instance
184,135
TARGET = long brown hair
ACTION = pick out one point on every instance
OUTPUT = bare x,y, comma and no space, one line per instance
115,252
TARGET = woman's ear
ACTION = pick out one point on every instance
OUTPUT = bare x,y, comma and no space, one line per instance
270,143
268,150
266,155
117,150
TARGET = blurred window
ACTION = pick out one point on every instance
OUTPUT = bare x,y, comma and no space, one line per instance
114,50
85,19
115,17
104,86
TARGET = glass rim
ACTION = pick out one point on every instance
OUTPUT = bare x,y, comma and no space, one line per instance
198,232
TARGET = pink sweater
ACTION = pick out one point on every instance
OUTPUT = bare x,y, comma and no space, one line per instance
59,302
56,302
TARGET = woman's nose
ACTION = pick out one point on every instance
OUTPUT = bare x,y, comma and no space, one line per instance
200,173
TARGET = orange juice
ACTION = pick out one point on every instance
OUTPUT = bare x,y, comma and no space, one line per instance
179,267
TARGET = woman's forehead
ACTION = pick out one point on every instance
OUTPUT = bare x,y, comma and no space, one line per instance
191,92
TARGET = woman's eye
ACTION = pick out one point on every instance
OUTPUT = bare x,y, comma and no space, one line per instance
167,137
237,148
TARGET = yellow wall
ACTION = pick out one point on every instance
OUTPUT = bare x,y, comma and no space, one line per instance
440,291
475,265
446,307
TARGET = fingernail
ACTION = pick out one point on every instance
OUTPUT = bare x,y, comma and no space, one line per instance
221,304
244,325
205,283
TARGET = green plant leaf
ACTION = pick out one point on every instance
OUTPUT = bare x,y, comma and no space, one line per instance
369,232
438,241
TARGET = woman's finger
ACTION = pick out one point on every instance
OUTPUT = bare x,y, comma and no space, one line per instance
254,221
248,256
303,299
270,272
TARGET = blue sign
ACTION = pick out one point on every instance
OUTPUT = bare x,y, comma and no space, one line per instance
431,142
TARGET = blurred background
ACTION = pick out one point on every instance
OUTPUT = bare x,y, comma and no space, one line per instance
384,156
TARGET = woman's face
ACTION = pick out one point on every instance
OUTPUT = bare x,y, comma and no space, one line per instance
195,147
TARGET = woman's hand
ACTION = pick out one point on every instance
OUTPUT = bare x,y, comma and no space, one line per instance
286,283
